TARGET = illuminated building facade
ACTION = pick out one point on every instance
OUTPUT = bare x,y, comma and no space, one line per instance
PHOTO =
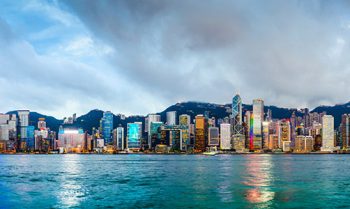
148,120
345,131
155,133
285,132
70,139
213,136
303,144
327,133
258,117
200,134
133,135
107,127
225,136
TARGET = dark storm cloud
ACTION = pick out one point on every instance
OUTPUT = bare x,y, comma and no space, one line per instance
290,53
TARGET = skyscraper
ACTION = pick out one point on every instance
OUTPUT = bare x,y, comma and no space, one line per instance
171,118
133,135
258,117
155,133
120,138
327,133
213,136
200,134
107,127
225,136
345,130
284,133
237,114
150,118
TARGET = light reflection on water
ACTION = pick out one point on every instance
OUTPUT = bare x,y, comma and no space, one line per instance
70,191
258,178
174,181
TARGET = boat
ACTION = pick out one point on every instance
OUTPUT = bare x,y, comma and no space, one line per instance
211,151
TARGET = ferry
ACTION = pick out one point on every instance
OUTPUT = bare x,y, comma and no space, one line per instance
211,151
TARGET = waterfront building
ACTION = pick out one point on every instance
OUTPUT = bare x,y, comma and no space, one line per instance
171,118
258,117
155,134
273,142
4,132
303,144
285,132
265,131
238,142
107,127
148,120
225,136
23,125
213,136
30,140
286,146
120,138
237,114
134,135
327,133
185,124
200,133
70,138
345,131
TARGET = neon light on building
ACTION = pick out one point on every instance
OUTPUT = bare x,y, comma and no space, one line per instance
251,135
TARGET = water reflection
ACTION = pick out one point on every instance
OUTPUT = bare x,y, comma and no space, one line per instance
70,191
258,178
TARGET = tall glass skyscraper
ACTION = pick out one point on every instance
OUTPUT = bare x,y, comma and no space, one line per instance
107,127
133,134
120,138
237,110
258,117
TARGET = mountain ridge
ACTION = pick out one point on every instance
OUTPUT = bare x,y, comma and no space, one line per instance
92,118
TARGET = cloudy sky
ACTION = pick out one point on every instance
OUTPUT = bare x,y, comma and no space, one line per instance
136,57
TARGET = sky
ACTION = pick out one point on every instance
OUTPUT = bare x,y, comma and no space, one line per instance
141,56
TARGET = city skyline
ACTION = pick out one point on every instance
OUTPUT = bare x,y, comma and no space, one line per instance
292,54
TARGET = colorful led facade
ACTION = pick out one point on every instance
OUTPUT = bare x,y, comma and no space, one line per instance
133,136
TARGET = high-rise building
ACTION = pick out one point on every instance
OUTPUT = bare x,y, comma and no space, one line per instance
225,136
213,136
184,120
237,115
134,136
200,134
41,123
171,118
4,132
155,133
120,138
327,133
107,127
70,138
284,133
345,131
258,117
23,117
30,140
303,144
149,119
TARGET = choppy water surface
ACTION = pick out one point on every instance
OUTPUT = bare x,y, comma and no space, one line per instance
174,181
